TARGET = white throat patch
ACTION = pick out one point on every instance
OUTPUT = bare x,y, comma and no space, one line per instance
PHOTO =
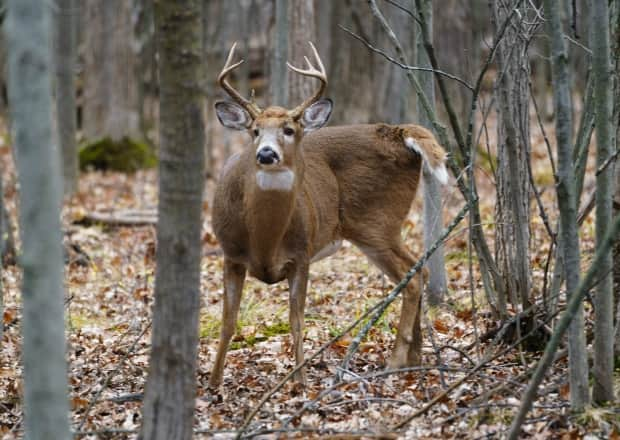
281,180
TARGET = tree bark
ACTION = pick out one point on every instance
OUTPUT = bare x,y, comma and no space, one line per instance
29,32
392,95
512,234
278,82
578,358
433,217
66,17
170,392
615,28
602,371
304,30
110,90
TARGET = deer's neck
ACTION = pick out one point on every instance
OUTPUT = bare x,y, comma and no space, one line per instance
270,204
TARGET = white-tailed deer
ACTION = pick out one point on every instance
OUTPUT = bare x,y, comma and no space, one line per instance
295,192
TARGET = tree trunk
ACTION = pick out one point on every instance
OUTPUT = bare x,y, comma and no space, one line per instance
171,387
615,28
602,371
110,91
66,17
303,30
433,217
392,93
145,65
278,81
512,233
29,32
578,358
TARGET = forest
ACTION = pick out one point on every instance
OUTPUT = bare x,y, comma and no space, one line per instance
347,219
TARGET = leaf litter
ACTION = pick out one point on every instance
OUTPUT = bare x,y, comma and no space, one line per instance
109,294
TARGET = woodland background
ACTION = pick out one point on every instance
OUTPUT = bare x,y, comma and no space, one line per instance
523,94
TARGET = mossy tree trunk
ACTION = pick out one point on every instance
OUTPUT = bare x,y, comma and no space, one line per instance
29,32
171,387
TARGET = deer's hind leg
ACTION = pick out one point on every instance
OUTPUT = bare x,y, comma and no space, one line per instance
395,260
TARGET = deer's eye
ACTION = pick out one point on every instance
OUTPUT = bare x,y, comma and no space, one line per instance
256,132
288,131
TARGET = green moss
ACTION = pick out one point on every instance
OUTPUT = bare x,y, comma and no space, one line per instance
78,321
460,256
125,155
262,334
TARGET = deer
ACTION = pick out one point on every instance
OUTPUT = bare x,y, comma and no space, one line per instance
298,189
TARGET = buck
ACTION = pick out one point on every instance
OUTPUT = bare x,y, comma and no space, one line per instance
295,192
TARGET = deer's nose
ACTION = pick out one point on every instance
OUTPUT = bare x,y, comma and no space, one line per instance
267,156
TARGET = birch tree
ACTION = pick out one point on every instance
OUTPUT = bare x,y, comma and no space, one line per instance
170,391
578,358
29,32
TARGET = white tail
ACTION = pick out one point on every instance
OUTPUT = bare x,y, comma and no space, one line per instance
296,192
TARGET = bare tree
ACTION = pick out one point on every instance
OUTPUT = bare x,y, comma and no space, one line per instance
433,217
110,88
578,358
278,83
512,208
615,29
29,31
392,93
170,391
66,17
302,24
602,371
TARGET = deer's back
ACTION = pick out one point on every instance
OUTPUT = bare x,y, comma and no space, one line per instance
377,175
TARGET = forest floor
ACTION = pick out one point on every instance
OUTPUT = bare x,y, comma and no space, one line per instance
109,294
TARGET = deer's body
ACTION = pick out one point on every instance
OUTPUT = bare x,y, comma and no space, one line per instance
290,198
354,182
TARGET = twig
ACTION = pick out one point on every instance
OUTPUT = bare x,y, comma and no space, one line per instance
403,65
607,162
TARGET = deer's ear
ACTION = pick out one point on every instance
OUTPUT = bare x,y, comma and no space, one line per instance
232,115
317,115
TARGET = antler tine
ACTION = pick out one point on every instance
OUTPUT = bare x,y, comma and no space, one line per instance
252,108
312,72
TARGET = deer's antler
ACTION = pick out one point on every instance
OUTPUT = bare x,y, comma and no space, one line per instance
312,72
253,109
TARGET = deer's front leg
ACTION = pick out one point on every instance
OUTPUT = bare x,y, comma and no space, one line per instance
298,285
234,276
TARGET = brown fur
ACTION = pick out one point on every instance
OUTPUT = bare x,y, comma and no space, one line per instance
352,182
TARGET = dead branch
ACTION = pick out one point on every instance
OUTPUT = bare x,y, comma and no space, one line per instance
120,218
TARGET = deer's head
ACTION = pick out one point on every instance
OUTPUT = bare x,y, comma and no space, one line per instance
276,131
